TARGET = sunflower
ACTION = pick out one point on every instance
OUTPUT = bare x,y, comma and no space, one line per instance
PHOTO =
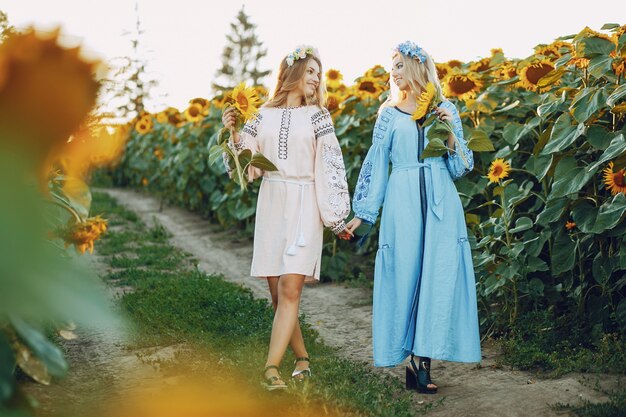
498,170
334,78
83,234
496,51
455,63
144,125
425,102
554,50
531,73
618,33
158,153
569,225
614,181
480,66
367,88
462,85
333,101
619,66
162,117
443,70
144,182
193,113
506,71
261,91
379,72
245,100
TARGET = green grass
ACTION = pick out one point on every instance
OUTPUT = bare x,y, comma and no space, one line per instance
174,303
556,346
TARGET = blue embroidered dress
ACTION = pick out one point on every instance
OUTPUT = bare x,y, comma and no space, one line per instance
424,286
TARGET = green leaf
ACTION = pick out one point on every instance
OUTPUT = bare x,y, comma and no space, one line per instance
7,366
616,95
594,46
545,110
587,102
609,26
610,214
602,268
216,152
552,211
513,132
600,66
536,287
479,141
508,107
523,223
563,134
570,178
599,137
534,264
244,158
551,77
563,254
223,136
260,161
617,146
539,165
434,148
50,355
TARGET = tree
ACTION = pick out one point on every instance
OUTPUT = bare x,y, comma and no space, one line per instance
241,56
131,86
5,28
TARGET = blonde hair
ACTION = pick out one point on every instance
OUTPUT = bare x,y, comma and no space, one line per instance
289,78
417,75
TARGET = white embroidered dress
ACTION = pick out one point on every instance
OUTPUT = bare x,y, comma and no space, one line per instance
309,190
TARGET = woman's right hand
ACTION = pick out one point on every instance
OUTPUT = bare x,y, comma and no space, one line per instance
229,118
353,225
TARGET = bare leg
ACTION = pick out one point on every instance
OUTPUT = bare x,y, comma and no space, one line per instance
297,341
286,318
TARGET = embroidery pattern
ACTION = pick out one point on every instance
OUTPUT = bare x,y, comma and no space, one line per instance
251,127
363,183
339,198
283,134
322,124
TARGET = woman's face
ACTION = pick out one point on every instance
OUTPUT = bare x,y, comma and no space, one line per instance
311,79
397,73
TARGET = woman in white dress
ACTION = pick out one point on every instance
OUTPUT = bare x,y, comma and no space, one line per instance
309,191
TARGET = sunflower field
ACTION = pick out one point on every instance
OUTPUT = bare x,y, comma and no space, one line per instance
545,202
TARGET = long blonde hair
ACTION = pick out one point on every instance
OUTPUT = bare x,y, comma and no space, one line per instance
417,75
289,78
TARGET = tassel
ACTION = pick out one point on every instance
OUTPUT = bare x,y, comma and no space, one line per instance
301,240
292,250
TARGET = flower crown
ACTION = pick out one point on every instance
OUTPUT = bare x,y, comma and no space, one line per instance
412,50
300,53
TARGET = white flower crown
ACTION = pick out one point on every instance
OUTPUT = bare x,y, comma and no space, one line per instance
300,53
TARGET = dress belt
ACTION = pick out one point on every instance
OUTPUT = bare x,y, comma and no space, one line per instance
436,184
299,239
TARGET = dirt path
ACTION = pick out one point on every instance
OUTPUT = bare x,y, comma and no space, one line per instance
342,316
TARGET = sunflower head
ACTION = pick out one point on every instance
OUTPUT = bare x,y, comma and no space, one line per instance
144,125
614,180
425,102
368,88
480,66
334,78
193,113
333,101
245,100
462,85
46,91
455,63
506,71
443,70
498,170
531,73
161,117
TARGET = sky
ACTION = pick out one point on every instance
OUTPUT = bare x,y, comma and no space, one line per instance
184,39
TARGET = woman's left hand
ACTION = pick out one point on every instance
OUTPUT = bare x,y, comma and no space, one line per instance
443,114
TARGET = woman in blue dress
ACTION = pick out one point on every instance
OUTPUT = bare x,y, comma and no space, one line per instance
424,287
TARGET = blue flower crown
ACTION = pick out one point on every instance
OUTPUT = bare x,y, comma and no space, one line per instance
300,53
412,50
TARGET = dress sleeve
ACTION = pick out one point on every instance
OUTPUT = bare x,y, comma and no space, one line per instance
372,183
454,161
331,186
247,140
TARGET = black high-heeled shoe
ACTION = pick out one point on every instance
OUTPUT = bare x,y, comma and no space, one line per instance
418,378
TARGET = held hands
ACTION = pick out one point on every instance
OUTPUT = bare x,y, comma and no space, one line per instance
345,234
353,225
